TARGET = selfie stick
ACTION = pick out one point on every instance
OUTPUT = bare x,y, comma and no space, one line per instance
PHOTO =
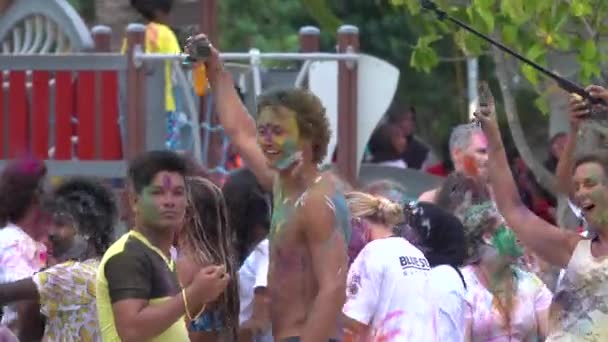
563,83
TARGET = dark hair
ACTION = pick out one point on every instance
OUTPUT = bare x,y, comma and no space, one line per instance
91,205
440,234
145,167
208,235
310,116
594,158
381,143
454,190
556,136
21,186
248,206
447,161
195,169
398,111
147,8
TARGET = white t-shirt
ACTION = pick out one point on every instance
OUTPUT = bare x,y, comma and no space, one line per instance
448,295
386,290
20,258
253,274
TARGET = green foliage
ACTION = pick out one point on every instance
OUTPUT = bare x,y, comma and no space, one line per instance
391,31
268,25
536,28
320,10
86,8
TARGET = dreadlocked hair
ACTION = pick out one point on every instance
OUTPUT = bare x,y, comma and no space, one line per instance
90,205
208,236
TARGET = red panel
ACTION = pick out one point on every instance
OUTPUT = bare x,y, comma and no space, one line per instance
40,114
2,115
85,109
110,147
63,113
17,121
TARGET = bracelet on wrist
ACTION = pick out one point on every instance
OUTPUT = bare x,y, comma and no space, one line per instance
187,310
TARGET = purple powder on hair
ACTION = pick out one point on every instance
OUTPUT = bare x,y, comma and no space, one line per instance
359,238
28,165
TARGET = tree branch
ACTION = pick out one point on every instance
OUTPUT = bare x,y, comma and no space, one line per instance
590,31
545,179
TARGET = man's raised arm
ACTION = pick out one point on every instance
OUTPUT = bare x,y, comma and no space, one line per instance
547,241
566,161
238,125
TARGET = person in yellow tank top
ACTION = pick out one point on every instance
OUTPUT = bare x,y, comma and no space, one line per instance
160,38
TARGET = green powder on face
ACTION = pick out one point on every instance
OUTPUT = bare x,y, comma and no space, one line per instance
290,155
600,216
505,242
149,211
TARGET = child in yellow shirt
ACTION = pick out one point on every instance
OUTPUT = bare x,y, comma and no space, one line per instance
161,39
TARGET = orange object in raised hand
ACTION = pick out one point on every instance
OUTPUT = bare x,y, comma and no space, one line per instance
199,78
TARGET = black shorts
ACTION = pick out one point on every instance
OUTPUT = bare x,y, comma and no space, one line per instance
297,339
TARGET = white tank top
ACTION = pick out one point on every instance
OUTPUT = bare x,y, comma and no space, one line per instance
580,306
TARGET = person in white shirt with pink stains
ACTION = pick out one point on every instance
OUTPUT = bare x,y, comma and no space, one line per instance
21,252
387,298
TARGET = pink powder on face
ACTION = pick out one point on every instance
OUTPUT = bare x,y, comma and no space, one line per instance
167,182
43,257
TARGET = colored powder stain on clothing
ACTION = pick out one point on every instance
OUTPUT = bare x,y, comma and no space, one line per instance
390,335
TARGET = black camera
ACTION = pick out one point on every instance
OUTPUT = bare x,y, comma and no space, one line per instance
199,50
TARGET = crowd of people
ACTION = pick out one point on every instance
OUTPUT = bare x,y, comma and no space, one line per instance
287,251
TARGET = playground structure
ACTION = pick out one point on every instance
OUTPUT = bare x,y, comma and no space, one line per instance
67,99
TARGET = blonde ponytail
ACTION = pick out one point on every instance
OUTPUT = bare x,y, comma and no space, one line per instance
378,208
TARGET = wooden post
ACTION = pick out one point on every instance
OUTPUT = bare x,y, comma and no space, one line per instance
309,39
208,25
348,41
136,34
309,42
102,37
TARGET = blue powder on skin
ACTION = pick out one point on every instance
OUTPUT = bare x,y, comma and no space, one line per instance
290,155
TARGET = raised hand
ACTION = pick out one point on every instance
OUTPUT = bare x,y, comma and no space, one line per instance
212,60
209,283
579,110
488,124
598,92
487,105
